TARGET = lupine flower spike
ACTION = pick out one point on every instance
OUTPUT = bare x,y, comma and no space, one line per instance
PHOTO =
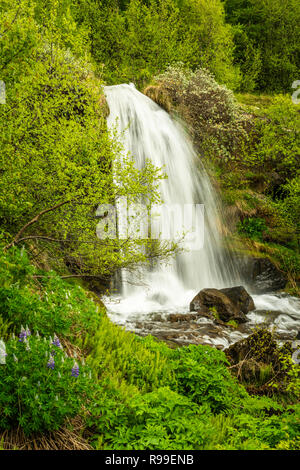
75,370
3,353
51,363
56,342
22,335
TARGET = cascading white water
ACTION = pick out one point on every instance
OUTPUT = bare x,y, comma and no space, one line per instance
148,132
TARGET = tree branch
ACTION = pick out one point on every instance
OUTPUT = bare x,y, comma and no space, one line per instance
75,275
32,221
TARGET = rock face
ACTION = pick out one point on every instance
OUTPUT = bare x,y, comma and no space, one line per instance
263,276
230,304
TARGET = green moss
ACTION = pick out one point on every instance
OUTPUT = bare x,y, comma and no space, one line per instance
232,323
214,312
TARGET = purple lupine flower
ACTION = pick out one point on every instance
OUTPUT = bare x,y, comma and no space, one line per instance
22,335
51,363
75,370
56,342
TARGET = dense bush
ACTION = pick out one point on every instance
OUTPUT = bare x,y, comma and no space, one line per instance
143,395
198,372
275,147
203,408
201,375
162,419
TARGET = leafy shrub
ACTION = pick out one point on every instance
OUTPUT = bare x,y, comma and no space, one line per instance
47,303
162,419
267,433
276,144
202,375
198,372
253,227
40,386
267,41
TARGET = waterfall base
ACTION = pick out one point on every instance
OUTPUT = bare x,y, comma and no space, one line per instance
175,325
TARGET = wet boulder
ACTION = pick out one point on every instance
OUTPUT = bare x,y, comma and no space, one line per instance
226,304
262,275
240,298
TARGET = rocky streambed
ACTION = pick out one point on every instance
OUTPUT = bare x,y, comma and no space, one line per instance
218,318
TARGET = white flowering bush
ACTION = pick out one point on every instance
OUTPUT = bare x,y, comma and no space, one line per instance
211,111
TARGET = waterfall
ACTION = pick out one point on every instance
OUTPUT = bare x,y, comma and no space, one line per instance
148,132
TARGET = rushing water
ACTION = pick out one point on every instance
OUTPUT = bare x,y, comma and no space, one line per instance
148,132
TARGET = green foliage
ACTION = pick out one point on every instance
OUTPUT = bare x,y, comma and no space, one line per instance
201,375
143,363
141,38
277,142
250,433
47,303
197,372
252,227
143,395
179,415
289,206
56,151
35,396
288,259
161,420
233,323
267,42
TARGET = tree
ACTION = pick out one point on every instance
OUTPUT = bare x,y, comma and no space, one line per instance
138,39
271,30
59,162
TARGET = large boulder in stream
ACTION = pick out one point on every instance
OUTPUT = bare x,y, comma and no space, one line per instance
226,304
